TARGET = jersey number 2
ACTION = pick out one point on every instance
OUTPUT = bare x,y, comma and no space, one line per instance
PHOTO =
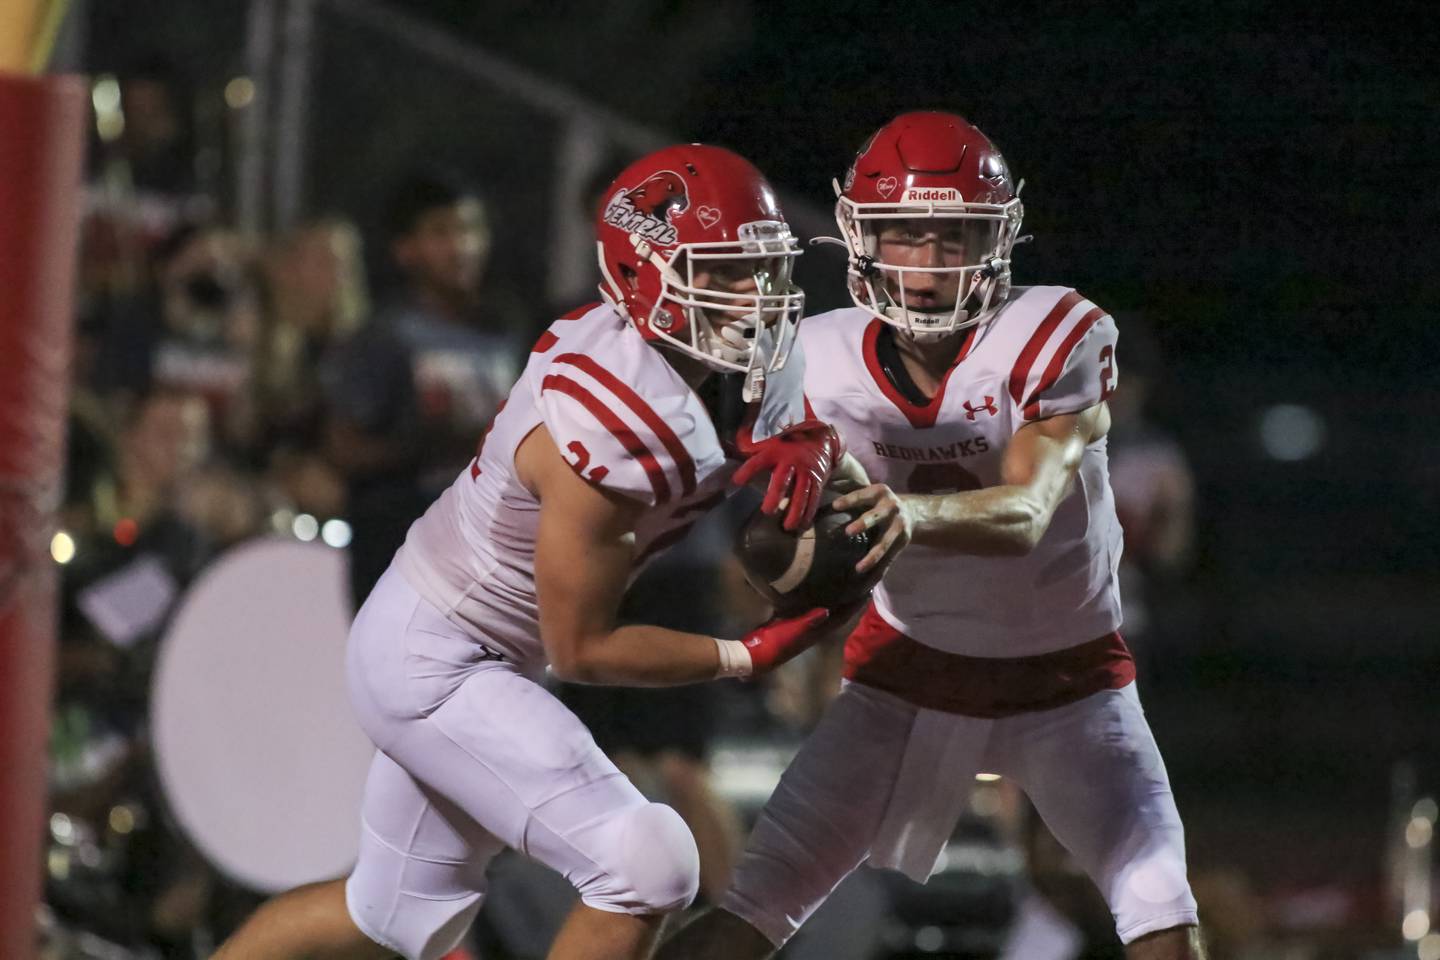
1107,372
582,460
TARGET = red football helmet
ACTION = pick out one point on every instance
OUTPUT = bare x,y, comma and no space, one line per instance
695,252
933,181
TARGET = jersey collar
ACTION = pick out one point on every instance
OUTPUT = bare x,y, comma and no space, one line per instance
921,415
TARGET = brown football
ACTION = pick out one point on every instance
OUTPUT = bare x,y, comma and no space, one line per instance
811,568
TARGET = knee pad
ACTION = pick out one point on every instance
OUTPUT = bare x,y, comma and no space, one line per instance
1152,894
647,862
416,927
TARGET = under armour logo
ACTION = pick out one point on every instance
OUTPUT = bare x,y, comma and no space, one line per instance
988,407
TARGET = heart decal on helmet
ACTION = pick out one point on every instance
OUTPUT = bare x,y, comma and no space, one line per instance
886,186
708,216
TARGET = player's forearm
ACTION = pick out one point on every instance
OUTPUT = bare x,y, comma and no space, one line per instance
639,656
997,521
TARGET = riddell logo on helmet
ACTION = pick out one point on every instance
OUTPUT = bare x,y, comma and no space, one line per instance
932,195
647,209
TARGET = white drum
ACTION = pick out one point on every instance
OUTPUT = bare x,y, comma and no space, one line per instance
259,757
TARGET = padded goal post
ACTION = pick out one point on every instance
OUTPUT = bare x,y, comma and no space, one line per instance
42,125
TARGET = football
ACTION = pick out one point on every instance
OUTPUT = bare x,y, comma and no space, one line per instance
812,568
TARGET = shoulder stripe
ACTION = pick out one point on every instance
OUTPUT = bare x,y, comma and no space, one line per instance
1058,361
632,443
1037,342
635,402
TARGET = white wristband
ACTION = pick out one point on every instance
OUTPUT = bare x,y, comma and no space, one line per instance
734,659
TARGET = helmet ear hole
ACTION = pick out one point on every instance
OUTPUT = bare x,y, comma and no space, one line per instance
630,277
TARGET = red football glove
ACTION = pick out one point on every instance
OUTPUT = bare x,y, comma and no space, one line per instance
780,639
800,460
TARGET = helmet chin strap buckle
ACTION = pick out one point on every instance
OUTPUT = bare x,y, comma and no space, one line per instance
754,387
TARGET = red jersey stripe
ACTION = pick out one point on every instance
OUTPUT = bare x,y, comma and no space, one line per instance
1057,362
545,342
632,444
633,400
480,447
1037,342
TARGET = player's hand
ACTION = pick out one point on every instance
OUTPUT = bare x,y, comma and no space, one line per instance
782,638
880,505
800,460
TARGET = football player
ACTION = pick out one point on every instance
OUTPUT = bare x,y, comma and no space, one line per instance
602,456
992,643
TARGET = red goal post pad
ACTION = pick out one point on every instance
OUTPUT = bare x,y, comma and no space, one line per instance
42,141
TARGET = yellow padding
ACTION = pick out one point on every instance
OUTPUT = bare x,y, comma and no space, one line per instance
28,29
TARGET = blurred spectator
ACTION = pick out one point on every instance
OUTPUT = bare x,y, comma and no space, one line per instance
163,443
142,191
188,327
313,294
153,139
411,393
150,483
1152,484
210,320
165,474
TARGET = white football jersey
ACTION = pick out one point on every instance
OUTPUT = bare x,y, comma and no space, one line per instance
624,420
1048,351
